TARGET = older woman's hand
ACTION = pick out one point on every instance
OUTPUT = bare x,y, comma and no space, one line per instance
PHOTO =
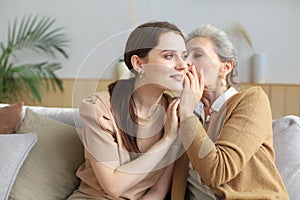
192,93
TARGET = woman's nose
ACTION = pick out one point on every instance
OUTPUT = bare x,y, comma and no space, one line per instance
181,64
189,64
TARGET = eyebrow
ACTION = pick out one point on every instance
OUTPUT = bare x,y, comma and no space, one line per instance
197,48
171,50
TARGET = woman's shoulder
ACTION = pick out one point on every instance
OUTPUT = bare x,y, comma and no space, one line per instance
255,92
95,98
97,101
251,96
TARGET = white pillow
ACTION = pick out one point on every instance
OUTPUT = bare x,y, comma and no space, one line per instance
69,116
14,149
286,132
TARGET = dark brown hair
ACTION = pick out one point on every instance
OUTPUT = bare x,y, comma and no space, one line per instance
144,38
140,42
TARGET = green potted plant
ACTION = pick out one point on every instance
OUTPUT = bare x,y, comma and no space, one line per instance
30,79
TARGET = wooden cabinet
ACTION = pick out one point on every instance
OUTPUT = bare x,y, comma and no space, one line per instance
284,98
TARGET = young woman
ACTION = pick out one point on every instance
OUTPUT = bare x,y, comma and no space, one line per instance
230,148
130,131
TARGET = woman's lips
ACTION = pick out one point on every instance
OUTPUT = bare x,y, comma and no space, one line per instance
177,77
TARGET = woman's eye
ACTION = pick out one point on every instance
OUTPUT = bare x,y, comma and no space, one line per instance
169,56
184,57
197,55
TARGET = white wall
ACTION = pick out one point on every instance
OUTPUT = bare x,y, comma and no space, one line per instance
98,29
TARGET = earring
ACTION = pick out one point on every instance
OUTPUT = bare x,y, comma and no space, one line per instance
223,81
141,74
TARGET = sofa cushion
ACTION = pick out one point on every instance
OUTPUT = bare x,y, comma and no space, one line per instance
68,116
49,171
10,117
14,149
286,132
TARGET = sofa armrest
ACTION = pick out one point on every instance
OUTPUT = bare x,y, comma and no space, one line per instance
286,139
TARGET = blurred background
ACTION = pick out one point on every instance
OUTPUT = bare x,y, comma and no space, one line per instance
98,29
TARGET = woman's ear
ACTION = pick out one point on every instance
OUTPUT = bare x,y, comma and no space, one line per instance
136,63
227,68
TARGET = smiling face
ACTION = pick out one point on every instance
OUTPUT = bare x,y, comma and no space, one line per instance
166,65
202,54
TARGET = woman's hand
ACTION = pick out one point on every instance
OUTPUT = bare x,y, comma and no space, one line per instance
171,124
193,89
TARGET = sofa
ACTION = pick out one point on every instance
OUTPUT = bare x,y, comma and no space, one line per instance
39,156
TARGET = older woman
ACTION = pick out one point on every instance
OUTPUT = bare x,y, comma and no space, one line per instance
228,135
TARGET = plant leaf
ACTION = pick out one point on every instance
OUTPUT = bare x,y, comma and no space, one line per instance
37,34
34,34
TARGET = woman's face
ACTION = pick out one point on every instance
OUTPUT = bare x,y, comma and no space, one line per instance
203,56
166,65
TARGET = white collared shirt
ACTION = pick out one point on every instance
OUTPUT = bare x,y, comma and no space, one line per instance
216,106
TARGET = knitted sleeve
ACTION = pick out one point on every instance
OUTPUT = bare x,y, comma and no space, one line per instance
247,125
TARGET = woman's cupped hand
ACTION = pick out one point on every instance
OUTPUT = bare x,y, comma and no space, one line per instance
192,93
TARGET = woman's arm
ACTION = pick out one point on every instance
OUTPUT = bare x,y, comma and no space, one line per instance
247,125
162,187
116,179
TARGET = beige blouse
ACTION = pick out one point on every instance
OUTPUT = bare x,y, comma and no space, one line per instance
103,143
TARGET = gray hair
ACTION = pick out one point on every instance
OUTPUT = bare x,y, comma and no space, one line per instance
223,46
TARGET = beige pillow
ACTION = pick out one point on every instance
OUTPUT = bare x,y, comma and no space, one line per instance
49,170
10,117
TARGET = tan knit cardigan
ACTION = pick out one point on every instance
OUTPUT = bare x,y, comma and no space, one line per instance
240,163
